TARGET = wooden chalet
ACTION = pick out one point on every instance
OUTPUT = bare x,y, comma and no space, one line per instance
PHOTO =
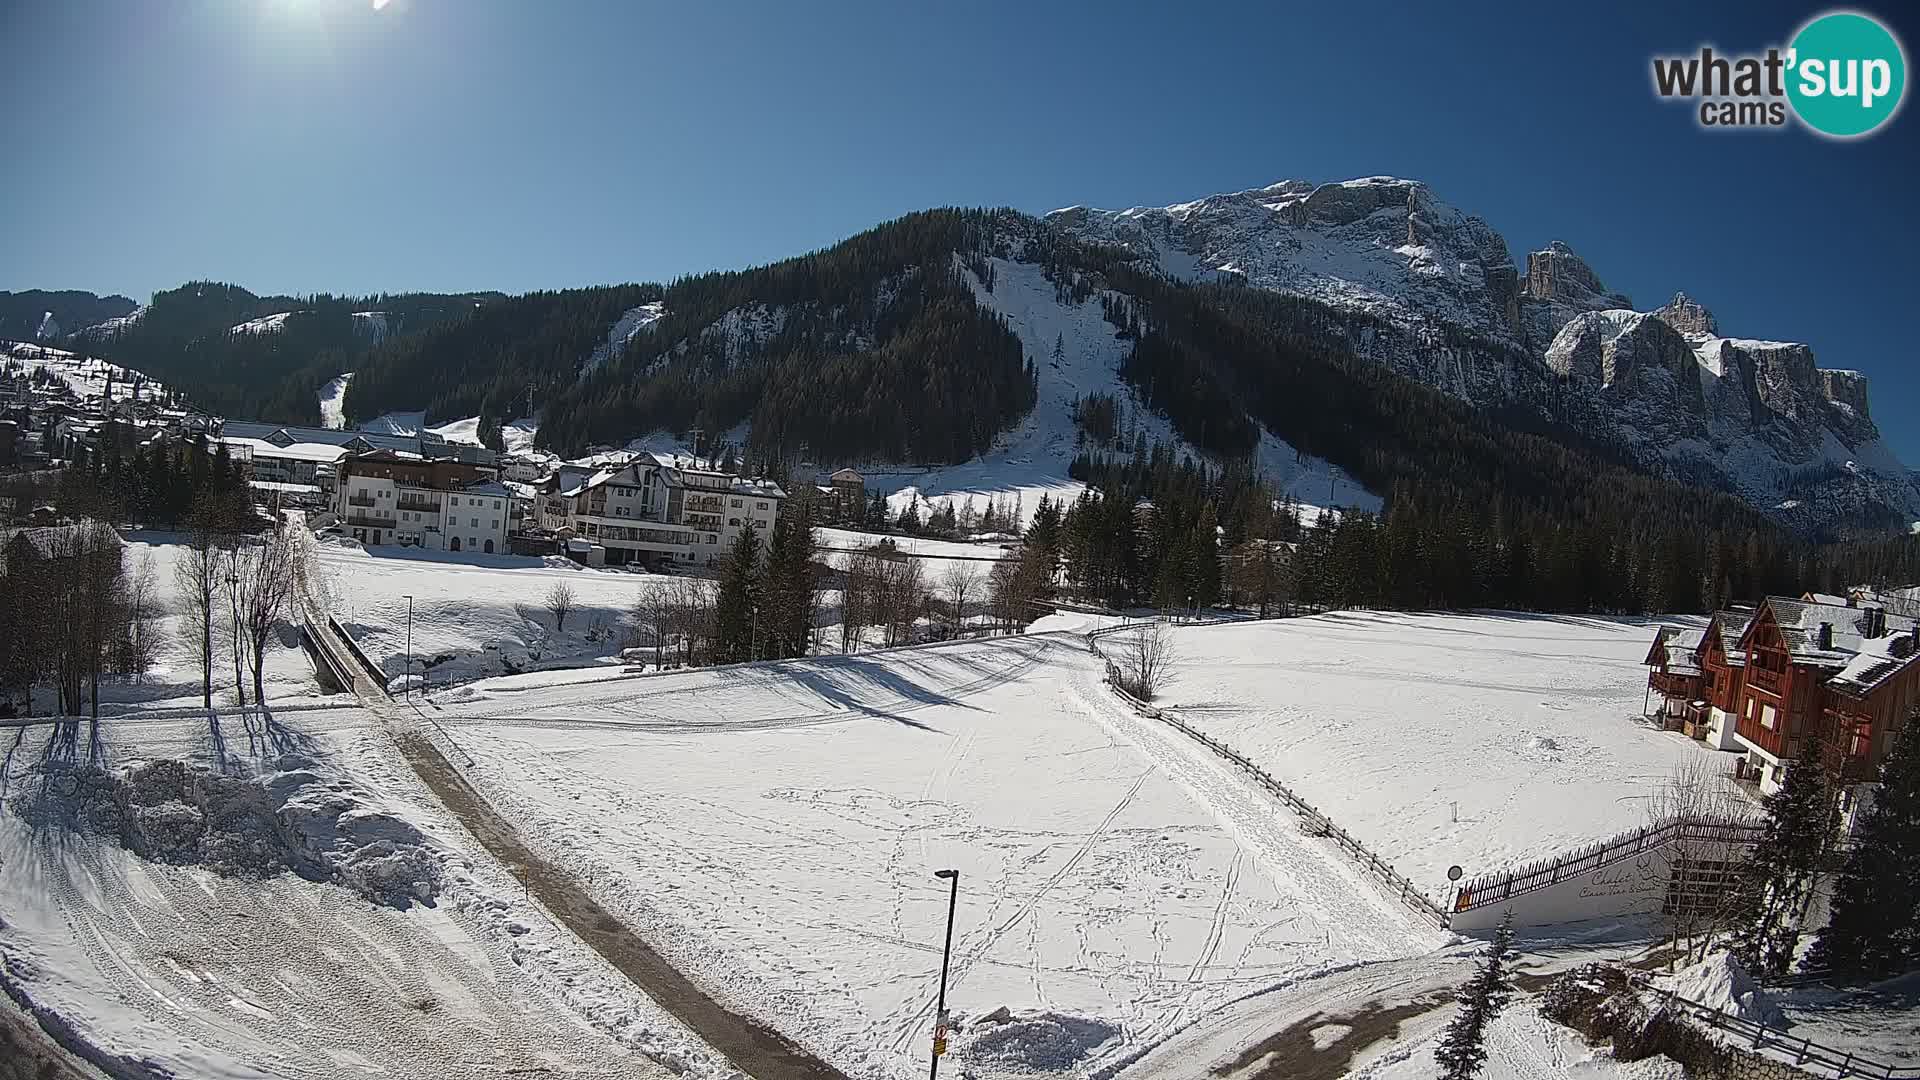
1698,676
1676,678
1831,678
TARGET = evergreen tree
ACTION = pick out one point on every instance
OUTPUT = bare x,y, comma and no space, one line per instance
1463,1048
1874,929
1780,879
736,607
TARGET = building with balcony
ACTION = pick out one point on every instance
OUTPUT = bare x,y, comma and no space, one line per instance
441,504
1831,675
649,512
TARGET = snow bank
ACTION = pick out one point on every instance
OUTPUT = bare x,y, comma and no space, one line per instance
1722,982
291,817
1034,1042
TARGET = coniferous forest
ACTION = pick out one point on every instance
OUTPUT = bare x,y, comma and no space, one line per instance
876,350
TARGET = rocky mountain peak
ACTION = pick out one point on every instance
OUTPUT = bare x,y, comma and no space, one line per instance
1556,273
1688,316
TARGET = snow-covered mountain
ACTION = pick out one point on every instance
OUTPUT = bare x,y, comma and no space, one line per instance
1757,418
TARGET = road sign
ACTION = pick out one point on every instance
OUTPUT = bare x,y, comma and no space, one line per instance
1454,873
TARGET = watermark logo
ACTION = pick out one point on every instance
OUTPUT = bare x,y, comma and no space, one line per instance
1843,75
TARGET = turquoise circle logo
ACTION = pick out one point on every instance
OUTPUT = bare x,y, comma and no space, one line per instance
1847,74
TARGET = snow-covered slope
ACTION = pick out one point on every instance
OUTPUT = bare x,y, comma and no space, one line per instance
1759,419
87,376
266,324
631,323
333,401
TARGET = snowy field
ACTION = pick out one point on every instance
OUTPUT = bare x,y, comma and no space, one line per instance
775,829
1531,724
278,896
475,615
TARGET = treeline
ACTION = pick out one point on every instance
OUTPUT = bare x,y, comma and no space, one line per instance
874,348
184,338
152,486
493,360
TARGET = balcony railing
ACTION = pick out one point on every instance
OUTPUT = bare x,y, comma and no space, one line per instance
360,500
369,522
1765,679
405,503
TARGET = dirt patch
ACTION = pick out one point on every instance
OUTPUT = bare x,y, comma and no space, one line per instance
1293,1053
28,1053
753,1048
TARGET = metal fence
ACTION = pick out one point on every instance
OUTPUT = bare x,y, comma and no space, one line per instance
1803,1052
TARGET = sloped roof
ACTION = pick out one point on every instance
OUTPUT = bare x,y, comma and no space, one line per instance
1800,622
1878,660
53,541
1731,626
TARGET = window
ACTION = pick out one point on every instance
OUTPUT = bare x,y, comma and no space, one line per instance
496,504
1768,717
762,505
496,524
473,523
736,504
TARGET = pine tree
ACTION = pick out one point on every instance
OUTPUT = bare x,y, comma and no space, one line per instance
1874,929
1780,879
1463,1048
735,608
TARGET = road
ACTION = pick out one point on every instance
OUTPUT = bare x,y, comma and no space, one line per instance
753,1047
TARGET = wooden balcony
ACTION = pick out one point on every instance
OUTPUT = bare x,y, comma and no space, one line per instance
1770,681
1672,685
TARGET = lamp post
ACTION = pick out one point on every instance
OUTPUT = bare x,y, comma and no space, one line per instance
409,683
946,957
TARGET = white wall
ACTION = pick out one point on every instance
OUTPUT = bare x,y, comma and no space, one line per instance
1633,886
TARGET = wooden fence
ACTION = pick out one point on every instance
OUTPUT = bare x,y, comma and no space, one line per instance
1504,885
1314,822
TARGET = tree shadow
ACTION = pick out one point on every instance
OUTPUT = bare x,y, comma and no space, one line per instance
815,678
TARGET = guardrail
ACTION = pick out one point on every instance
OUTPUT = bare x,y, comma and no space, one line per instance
1502,886
1316,822
1804,1051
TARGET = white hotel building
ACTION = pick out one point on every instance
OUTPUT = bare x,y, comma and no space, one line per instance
650,512
386,497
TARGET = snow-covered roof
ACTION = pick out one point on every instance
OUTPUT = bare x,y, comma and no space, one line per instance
1877,660
1850,628
300,451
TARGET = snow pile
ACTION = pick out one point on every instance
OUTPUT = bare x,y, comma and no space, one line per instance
1722,982
290,817
1036,1042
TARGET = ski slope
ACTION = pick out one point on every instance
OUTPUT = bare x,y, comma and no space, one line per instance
774,829
1529,725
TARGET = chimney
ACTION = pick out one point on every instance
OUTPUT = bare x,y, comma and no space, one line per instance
1876,622
1825,638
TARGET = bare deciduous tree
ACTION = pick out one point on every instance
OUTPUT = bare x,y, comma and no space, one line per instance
960,581
857,597
559,600
901,598
143,616
262,594
1702,874
653,617
197,576
1146,660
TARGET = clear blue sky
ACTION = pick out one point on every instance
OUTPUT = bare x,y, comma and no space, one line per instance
308,145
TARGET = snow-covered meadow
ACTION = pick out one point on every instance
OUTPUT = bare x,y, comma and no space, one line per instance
1481,739
775,828
474,615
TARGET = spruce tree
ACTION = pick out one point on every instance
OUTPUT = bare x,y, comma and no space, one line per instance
734,609
1874,929
1779,881
1463,1048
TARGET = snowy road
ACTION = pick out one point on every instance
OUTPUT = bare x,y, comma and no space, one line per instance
773,829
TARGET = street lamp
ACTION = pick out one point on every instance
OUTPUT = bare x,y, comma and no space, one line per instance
946,957
408,685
